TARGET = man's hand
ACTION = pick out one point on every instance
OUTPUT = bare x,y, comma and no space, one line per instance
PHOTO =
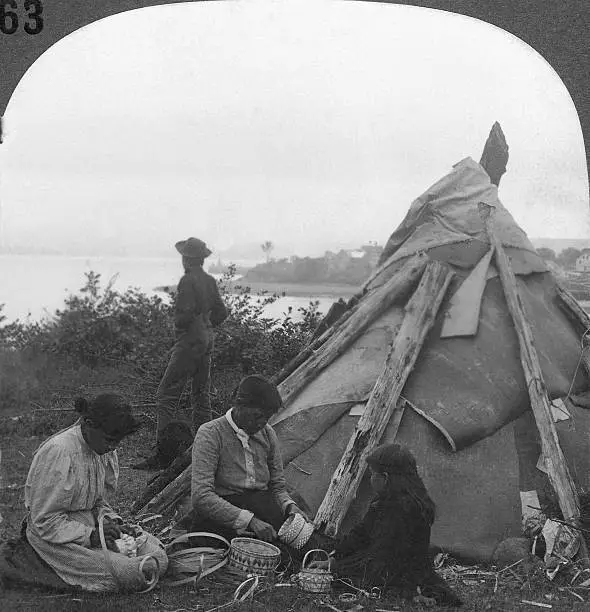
262,530
293,508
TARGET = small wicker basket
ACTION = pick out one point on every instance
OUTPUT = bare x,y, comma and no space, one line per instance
315,580
253,557
295,531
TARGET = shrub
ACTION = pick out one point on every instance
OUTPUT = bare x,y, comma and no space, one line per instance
105,339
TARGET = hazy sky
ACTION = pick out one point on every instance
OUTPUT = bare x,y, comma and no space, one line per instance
311,124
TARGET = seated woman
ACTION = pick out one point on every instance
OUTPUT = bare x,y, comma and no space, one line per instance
72,476
237,484
389,548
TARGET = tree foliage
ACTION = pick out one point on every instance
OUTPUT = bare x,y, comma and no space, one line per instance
101,326
546,253
567,258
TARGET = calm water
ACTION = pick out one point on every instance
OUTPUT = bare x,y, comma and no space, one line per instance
35,285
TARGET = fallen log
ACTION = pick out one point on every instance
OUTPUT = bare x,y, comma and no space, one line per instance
170,495
368,309
556,464
384,405
162,480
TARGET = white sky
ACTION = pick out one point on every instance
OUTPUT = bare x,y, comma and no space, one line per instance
311,124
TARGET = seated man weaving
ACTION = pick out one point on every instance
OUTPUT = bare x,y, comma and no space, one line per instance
238,485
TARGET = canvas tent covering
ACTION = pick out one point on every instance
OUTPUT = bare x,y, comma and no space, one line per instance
469,421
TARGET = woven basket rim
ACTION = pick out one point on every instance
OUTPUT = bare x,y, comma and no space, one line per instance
240,544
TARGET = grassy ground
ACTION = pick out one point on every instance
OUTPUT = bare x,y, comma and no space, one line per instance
479,589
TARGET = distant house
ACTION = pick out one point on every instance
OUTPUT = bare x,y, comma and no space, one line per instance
583,261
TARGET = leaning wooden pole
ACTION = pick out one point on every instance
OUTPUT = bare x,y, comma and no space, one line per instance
556,464
580,319
370,308
384,404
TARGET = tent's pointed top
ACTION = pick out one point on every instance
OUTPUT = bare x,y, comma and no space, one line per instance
495,154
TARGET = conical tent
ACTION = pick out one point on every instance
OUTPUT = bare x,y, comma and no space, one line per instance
467,415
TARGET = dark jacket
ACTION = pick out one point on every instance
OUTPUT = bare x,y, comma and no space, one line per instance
198,308
390,548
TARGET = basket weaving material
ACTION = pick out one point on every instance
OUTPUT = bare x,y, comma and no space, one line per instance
314,580
192,564
140,573
295,531
249,556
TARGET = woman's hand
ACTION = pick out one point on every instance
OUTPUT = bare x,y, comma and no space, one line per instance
111,533
263,531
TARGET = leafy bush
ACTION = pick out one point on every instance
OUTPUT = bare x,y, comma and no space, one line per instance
104,338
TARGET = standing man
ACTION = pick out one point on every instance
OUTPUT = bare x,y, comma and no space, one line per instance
198,309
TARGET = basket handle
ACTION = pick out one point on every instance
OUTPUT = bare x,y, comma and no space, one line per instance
185,538
320,550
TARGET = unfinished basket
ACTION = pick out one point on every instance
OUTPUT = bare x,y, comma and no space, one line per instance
295,531
128,572
249,556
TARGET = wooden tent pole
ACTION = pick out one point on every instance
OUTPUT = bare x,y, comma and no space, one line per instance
578,316
384,404
370,308
556,464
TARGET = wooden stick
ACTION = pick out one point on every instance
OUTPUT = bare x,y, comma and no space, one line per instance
578,316
557,469
384,405
308,351
370,307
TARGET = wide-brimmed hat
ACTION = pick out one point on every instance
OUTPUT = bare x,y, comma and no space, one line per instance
193,247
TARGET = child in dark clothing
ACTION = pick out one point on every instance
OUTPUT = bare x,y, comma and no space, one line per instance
389,548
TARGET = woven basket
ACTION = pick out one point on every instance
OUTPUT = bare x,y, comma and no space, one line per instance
295,531
253,557
192,564
315,580
124,575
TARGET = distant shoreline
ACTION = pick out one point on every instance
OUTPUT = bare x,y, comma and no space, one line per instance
310,290
300,289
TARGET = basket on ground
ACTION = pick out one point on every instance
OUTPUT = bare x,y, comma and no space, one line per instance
314,580
249,556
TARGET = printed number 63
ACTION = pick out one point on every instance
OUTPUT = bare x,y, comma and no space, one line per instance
9,17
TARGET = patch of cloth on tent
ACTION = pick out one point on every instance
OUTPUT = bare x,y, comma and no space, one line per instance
559,410
357,409
462,315
301,430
